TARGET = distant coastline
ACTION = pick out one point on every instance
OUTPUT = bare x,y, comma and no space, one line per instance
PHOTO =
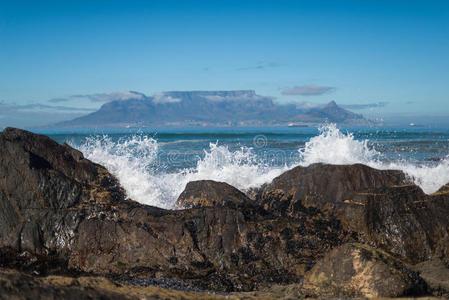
242,108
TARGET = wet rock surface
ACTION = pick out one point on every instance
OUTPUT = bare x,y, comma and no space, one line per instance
62,214
46,191
324,187
205,193
215,248
377,207
401,220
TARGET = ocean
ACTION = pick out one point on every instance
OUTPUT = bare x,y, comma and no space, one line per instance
154,165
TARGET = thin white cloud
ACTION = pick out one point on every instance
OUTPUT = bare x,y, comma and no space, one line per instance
34,107
241,95
59,100
37,114
103,97
218,98
364,105
308,90
163,98
308,105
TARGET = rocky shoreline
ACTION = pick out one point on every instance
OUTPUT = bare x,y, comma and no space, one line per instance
321,231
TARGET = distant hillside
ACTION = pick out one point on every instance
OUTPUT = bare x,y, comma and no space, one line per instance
211,108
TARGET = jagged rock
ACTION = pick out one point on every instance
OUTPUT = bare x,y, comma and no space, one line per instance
203,193
357,270
209,193
379,206
440,204
323,186
402,220
216,247
46,190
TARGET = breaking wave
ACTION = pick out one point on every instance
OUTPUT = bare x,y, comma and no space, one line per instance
334,147
136,161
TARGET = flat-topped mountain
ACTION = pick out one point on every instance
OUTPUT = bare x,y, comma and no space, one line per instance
211,108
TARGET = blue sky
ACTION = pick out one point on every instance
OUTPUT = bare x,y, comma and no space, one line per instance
354,52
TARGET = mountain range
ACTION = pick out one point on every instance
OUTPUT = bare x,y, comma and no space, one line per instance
211,108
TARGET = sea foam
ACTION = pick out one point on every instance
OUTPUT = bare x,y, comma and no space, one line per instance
334,147
136,162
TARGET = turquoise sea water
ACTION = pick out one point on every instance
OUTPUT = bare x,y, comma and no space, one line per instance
154,165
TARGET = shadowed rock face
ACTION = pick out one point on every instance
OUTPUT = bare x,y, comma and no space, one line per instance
46,190
39,173
356,270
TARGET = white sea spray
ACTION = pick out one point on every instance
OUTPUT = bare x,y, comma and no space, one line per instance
135,161
334,147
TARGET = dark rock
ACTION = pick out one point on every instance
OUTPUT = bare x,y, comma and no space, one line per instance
324,187
210,193
214,247
166,283
357,270
402,220
379,207
46,190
